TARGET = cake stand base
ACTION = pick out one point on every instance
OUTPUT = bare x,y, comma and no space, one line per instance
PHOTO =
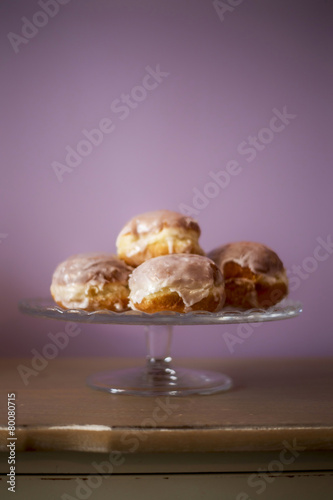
160,382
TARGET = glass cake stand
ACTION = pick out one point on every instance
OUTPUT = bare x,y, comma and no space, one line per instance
158,376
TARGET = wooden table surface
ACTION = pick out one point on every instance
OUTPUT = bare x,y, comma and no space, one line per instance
272,401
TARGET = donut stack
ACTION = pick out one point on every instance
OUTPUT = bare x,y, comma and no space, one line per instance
160,266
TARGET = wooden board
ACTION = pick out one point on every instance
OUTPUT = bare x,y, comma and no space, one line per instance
273,402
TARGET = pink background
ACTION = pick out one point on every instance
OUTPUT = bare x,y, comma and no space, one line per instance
225,78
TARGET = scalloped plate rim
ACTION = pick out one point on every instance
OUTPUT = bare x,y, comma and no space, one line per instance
287,308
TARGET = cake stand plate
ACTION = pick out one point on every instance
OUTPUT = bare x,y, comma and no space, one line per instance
158,376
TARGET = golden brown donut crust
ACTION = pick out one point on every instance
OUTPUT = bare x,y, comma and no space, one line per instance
171,301
111,297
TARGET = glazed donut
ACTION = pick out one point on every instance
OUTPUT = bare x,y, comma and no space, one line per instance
177,282
91,282
254,275
157,233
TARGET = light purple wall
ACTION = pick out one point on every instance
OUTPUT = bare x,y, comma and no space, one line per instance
225,77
